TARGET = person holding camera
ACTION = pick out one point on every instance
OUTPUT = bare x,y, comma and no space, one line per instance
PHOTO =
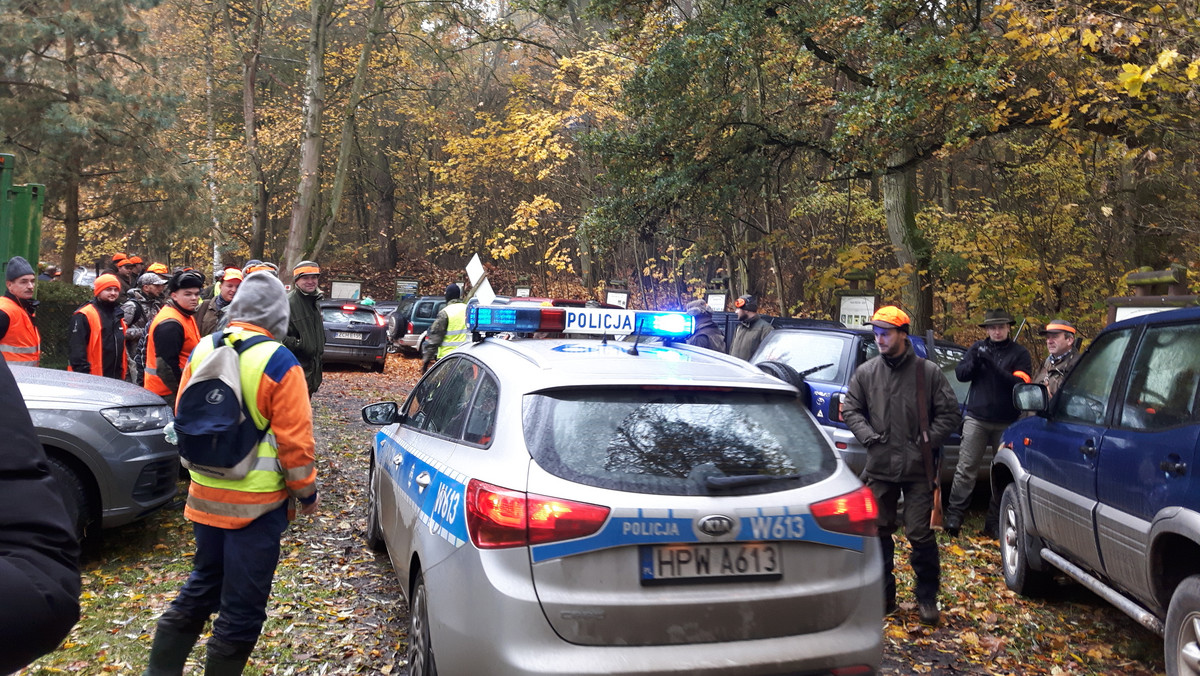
993,366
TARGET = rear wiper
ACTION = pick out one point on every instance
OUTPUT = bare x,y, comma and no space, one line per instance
743,480
808,372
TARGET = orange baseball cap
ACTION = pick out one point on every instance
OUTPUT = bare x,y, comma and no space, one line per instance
158,269
134,260
118,257
232,273
891,317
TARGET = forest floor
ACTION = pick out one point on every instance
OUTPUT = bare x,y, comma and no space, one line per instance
337,607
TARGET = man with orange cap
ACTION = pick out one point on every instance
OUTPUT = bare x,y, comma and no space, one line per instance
882,411
306,329
20,341
211,314
1060,343
993,366
97,342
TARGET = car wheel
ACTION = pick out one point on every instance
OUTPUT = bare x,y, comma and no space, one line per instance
420,650
788,375
1181,641
378,366
374,534
74,495
1014,549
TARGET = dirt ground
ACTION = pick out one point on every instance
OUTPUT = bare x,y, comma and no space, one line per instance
337,607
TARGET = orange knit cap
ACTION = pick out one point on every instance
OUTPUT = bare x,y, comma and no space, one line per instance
104,282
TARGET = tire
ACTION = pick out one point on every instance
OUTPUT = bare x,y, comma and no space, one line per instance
420,650
374,532
788,375
74,496
1181,638
378,368
1014,549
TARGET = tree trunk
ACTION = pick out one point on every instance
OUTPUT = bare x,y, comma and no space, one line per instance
374,29
900,209
74,170
250,57
298,242
210,138
384,211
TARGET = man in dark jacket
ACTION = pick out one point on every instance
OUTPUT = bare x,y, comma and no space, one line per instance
1060,343
211,315
306,330
707,334
993,366
881,411
751,328
97,341
39,569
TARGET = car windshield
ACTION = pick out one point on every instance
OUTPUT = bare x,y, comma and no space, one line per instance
676,442
805,350
340,315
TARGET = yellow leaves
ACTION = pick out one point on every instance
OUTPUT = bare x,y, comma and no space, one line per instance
1131,78
1167,58
1089,39
1193,70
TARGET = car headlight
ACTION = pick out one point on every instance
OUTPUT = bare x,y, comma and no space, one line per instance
138,418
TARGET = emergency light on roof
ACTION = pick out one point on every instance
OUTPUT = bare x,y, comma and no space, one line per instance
591,321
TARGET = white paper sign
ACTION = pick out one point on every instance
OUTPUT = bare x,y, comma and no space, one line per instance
856,311
618,298
485,294
475,270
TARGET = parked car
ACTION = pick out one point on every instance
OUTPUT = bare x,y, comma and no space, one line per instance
660,510
105,444
411,319
354,334
827,355
1098,484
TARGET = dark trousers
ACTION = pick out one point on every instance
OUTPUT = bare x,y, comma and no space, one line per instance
231,576
918,504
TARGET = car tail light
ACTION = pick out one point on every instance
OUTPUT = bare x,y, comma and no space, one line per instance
499,517
349,308
379,320
410,328
854,513
835,407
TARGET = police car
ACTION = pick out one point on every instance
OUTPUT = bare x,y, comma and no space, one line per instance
588,506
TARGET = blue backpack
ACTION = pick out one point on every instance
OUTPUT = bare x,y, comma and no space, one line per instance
217,435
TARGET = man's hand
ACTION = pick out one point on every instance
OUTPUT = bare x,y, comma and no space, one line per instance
310,509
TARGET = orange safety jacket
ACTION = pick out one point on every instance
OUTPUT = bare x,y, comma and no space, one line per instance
22,343
276,396
191,336
95,347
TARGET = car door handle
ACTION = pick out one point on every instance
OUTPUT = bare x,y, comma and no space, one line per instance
423,480
1088,448
1176,468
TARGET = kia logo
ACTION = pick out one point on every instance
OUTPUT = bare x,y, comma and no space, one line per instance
715,525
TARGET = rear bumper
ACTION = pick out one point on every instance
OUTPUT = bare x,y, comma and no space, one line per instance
485,618
347,354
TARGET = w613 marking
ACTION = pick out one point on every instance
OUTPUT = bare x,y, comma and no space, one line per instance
777,527
446,505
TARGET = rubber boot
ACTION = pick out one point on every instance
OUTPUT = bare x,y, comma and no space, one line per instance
169,651
226,658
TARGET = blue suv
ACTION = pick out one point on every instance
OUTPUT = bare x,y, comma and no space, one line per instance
826,356
1098,483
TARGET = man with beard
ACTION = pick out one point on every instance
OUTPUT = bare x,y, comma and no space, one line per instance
751,328
143,304
97,343
20,341
172,336
211,315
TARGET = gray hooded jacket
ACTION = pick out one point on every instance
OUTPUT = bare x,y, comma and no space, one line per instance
261,300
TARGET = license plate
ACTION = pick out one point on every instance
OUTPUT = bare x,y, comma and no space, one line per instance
663,564
348,335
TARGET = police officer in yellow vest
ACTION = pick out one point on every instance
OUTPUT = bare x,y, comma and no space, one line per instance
239,523
449,330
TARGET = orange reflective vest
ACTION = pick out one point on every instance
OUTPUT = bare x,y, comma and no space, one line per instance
95,347
191,336
22,343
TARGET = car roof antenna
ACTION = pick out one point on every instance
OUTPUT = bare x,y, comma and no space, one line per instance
637,333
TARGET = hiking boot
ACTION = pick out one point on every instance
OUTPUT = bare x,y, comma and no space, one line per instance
953,525
929,613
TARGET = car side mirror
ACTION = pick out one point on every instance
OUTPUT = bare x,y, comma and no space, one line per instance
383,413
1031,397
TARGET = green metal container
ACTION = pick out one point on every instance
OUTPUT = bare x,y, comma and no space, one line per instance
20,216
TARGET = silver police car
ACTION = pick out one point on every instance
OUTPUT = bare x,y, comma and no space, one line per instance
568,506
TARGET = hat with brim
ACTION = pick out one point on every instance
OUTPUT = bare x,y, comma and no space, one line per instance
997,318
1058,325
891,317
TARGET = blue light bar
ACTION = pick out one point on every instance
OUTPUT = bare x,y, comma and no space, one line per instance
590,321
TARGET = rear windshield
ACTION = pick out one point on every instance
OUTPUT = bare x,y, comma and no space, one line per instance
676,442
337,315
